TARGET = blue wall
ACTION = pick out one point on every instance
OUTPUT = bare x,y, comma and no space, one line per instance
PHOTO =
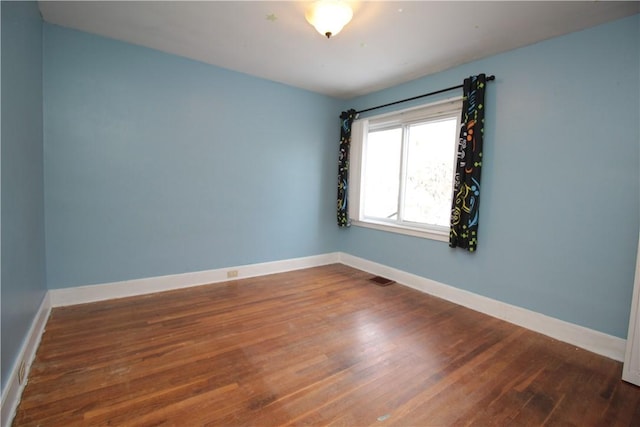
559,212
156,164
23,256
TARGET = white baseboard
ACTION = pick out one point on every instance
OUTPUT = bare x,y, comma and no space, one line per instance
128,288
13,389
588,339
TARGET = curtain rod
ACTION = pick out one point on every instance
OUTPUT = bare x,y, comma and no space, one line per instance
488,78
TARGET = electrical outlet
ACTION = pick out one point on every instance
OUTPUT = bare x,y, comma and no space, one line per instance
21,372
232,273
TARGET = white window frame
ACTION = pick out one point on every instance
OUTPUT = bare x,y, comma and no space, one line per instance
359,132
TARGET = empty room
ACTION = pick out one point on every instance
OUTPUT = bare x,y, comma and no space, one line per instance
332,212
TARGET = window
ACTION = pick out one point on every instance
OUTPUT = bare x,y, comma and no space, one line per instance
402,168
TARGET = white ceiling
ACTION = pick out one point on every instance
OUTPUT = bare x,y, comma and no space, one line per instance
386,43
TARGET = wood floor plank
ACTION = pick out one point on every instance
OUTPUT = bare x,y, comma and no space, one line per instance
320,346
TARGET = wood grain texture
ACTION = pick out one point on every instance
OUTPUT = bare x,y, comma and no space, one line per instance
321,346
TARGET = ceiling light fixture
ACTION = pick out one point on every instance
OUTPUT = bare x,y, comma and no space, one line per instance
329,16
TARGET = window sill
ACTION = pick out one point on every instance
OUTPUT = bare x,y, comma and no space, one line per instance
442,236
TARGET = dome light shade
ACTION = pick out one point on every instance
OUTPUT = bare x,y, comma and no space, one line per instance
329,16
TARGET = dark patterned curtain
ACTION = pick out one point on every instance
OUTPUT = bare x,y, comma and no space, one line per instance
346,118
466,192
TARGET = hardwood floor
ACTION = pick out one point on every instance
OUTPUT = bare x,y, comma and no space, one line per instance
322,346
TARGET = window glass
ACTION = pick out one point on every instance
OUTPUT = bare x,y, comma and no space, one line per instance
382,173
429,177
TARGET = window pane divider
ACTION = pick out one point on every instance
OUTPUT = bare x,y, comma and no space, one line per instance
403,173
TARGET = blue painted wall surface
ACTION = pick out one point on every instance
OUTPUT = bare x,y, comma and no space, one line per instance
559,211
23,256
159,165
156,164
